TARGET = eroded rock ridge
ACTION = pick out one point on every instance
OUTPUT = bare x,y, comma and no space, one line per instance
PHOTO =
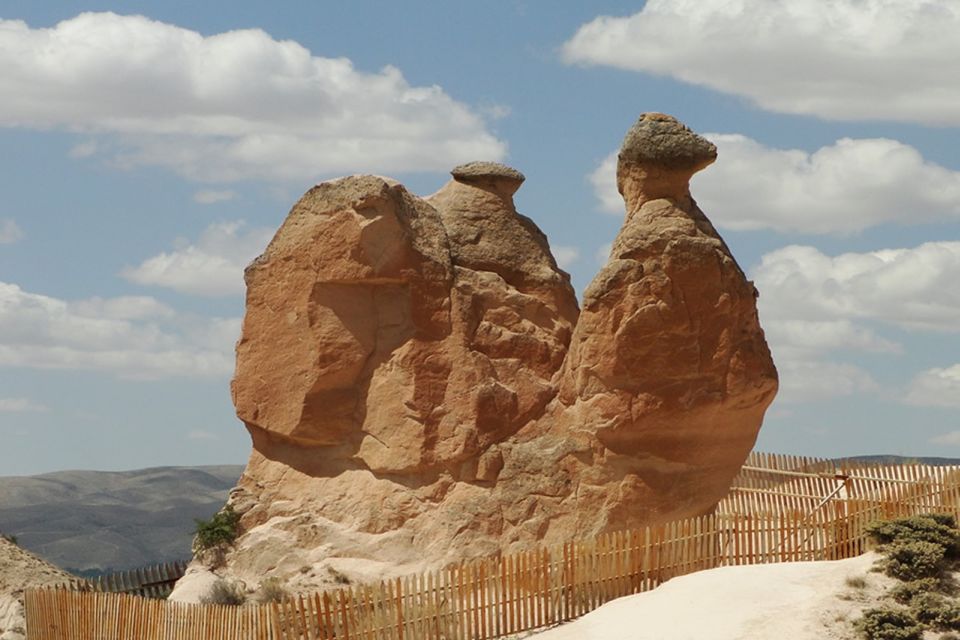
421,386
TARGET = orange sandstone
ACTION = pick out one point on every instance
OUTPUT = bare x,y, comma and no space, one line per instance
421,387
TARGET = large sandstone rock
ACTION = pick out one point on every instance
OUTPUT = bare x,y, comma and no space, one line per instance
668,367
421,387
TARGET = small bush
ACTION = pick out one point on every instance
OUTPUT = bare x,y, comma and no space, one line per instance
906,591
948,617
856,582
225,592
221,529
934,528
889,624
271,590
930,608
338,577
913,560
12,539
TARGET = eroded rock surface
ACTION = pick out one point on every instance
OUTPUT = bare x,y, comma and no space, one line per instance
421,386
21,570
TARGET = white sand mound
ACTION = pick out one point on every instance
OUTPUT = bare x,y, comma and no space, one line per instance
21,570
791,601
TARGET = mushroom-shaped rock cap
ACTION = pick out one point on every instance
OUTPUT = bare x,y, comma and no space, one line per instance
483,169
659,139
491,176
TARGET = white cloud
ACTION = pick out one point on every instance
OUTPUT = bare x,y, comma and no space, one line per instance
910,288
84,149
805,352
21,405
231,106
121,308
133,337
199,434
814,380
815,308
604,181
845,60
845,187
213,197
566,256
951,438
602,256
806,338
936,388
10,232
213,266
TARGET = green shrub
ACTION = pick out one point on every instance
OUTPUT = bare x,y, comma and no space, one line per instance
226,593
12,539
906,591
856,582
946,519
913,560
929,608
221,529
271,590
338,577
934,528
889,624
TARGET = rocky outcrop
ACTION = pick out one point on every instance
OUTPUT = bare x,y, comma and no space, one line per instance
668,367
21,570
420,385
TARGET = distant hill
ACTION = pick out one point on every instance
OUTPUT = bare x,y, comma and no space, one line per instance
98,521
884,459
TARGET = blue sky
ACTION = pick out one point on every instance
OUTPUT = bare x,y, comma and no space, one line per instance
149,149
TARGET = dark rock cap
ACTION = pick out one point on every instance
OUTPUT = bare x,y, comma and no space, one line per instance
659,139
483,169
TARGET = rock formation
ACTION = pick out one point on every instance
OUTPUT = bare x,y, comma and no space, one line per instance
20,570
420,385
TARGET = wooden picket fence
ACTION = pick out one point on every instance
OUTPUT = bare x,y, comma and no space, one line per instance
155,581
777,484
779,509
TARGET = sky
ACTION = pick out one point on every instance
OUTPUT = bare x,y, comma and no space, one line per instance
149,149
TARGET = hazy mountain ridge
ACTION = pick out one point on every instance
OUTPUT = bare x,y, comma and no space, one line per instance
98,520
95,521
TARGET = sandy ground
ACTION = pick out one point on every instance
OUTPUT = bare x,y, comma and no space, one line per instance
794,601
19,570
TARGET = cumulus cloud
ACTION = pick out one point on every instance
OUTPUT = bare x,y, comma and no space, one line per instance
132,337
21,405
212,266
817,309
200,434
9,231
806,351
951,438
231,106
936,388
844,60
602,254
798,339
845,187
604,181
815,380
913,288
213,197
566,256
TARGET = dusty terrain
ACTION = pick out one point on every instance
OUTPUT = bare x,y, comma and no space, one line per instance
19,570
791,601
